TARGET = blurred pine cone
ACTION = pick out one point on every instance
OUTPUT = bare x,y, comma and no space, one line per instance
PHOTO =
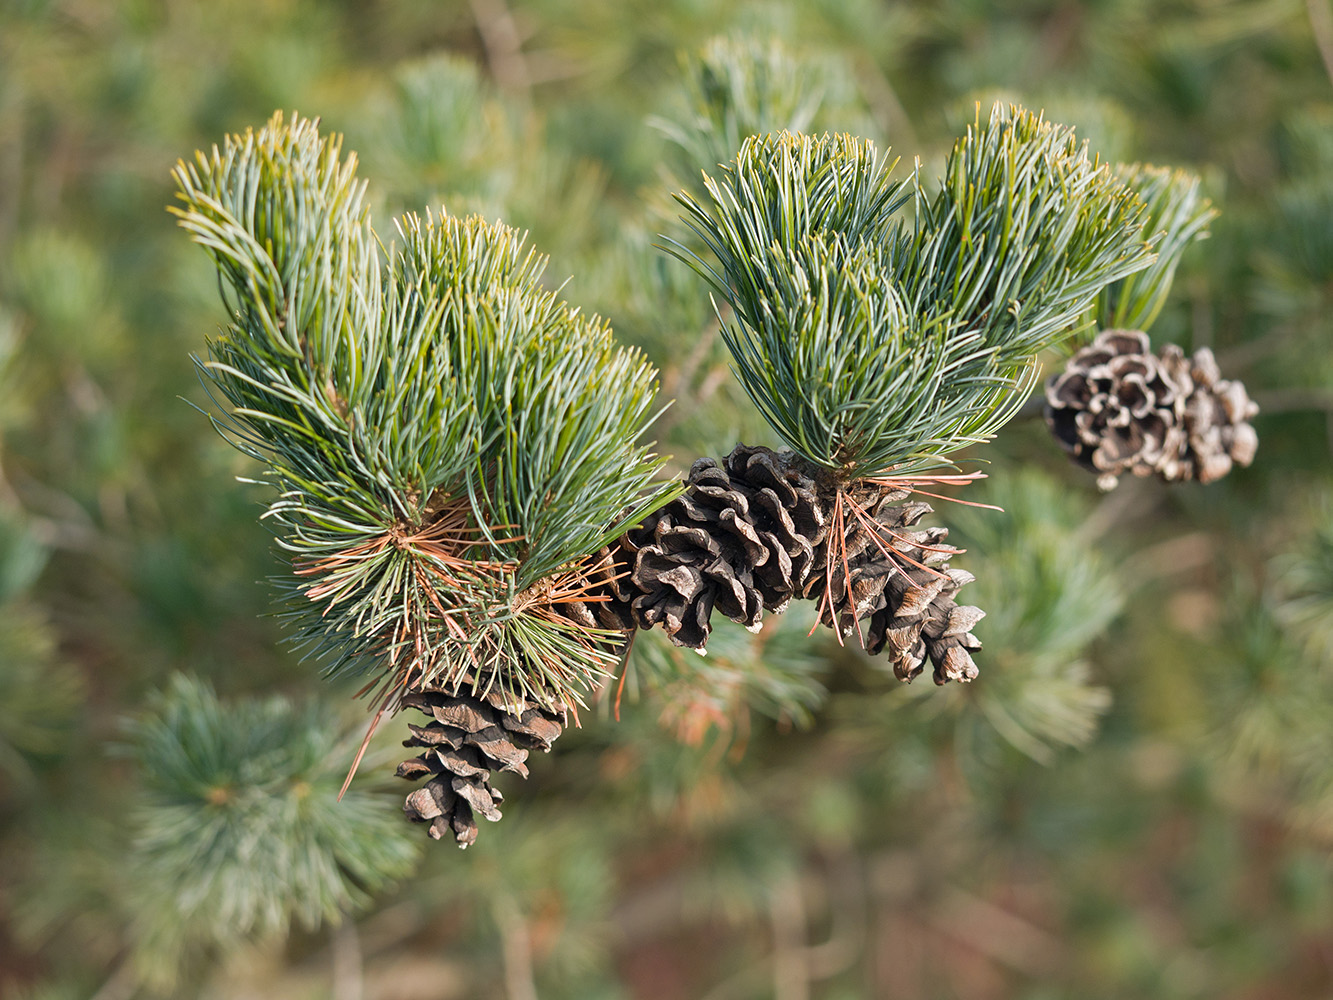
1216,418
1118,408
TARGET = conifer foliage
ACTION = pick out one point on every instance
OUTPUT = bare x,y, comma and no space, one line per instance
451,444
471,519
1144,760
239,833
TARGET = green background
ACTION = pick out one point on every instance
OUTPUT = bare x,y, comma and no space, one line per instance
1135,799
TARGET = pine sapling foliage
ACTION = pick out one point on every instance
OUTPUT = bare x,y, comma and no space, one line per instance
451,444
472,522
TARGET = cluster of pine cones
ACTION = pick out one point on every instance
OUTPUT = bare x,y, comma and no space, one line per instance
762,528
749,534
1118,408
758,530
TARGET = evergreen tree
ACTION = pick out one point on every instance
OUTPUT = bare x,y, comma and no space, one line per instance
779,817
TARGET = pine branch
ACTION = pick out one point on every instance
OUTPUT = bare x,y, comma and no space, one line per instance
240,833
773,672
735,87
450,441
868,344
1179,215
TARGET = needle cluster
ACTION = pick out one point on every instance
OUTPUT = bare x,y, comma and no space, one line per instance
878,325
450,441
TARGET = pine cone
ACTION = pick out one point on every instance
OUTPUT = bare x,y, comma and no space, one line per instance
741,539
894,587
470,736
1215,420
1116,408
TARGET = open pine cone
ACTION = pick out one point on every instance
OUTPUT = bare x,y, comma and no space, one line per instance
896,590
1118,408
753,532
469,737
740,539
1216,417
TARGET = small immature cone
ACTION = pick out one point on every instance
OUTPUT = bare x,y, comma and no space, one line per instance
468,737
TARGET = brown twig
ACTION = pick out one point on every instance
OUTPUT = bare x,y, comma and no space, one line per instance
1321,26
786,914
1294,400
516,945
503,43
348,974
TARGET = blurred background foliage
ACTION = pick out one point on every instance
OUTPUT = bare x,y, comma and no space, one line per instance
1134,800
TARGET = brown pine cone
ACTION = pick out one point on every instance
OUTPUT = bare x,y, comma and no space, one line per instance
740,539
1116,408
1216,418
896,590
469,737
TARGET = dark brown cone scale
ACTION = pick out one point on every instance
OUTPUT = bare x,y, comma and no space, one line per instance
469,736
752,532
1118,408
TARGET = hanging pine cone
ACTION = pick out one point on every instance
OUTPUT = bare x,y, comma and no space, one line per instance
1119,408
1116,409
894,587
469,737
741,539
752,533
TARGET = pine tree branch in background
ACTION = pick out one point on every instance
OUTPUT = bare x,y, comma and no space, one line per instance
1177,214
240,834
451,443
735,87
